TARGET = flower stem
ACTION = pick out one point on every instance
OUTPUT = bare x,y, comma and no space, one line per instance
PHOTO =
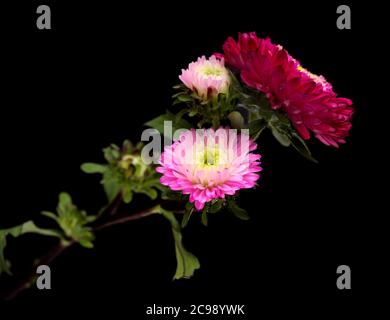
136,216
58,249
30,278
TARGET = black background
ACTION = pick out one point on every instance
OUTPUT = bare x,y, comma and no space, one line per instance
103,70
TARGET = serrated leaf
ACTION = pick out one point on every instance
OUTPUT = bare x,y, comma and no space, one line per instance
187,263
93,168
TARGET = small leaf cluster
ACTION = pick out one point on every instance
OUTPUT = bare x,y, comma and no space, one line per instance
125,172
72,221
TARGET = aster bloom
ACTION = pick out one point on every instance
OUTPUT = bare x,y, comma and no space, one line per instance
206,77
308,99
208,164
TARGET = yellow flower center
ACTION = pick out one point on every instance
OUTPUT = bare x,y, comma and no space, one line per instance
209,158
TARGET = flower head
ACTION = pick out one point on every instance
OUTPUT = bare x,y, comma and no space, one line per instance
206,77
208,164
308,99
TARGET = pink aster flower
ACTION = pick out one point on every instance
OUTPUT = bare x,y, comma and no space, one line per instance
208,164
308,99
206,77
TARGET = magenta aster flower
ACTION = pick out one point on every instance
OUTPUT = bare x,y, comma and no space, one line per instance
308,99
206,77
208,164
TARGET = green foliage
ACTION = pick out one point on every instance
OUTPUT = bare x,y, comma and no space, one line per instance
187,263
72,221
168,194
93,168
216,205
236,210
256,127
27,227
125,173
177,122
204,218
212,111
5,264
189,209
262,115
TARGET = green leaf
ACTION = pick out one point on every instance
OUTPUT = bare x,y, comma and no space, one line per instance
299,144
86,244
127,147
189,209
50,215
158,123
5,265
256,127
282,137
112,153
216,206
127,195
17,231
111,187
93,168
150,192
187,263
237,211
168,194
30,227
64,199
204,218
184,98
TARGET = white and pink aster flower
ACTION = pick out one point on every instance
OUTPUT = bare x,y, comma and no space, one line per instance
206,77
208,164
